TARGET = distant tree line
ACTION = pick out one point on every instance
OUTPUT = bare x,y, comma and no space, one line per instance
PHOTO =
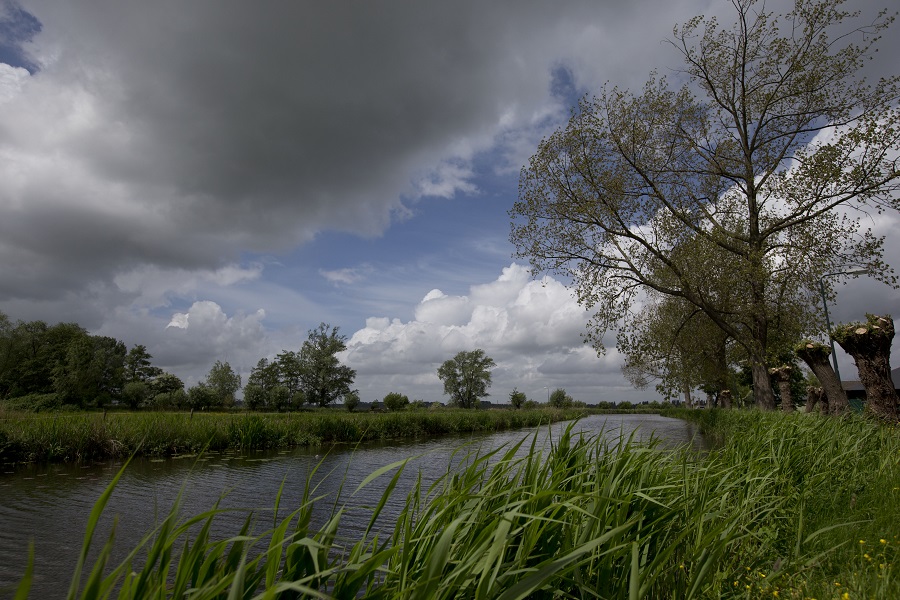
62,364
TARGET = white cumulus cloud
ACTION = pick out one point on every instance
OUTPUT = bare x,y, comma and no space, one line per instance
531,328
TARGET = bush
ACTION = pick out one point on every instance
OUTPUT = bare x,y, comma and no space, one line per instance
35,403
395,401
517,399
351,401
559,399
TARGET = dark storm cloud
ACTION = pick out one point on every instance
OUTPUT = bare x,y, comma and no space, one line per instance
175,133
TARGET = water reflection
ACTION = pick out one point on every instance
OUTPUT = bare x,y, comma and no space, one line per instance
50,504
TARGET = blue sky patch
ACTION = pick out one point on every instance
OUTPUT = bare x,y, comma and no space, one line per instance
17,27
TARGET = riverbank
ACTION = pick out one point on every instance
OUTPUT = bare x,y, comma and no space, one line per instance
81,437
785,506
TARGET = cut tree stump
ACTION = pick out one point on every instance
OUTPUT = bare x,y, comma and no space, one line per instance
869,344
815,355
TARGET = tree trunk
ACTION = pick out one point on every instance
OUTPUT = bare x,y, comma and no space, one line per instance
783,377
815,355
869,344
686,390
762,385
725,398
816,395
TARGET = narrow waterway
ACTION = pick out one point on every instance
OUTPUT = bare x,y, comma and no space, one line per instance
49,505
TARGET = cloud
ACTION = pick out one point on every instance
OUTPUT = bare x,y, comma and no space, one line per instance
154,286
531,328
181,135
347,275
193,340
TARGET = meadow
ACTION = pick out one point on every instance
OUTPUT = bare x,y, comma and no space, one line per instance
88,436
783,506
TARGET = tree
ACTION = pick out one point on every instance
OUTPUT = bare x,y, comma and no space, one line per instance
673,342
136,394
815,355
166,383
559,399
517,399
201,397
137,365
351,401
466,377
869,344
774,131
288,370
36,354
324,379
223,383
92,371
395,401
262,380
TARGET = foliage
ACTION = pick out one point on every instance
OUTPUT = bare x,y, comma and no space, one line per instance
467,377
677,345
559,399
323,377
202,397
749,172
138,367
63,359
92,371
255,397
166,383
517,399
395,401
224,383
351,401
136,394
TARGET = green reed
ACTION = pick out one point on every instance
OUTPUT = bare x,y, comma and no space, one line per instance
69,437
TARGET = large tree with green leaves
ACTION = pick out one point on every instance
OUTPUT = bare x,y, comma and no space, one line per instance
323,377
467,377
223,382
772,132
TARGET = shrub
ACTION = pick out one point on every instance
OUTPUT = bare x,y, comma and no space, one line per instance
517,399
351,401
395,401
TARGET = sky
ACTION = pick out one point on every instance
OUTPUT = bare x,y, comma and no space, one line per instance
214,179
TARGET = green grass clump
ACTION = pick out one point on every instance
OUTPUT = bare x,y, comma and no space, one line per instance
79,437
786,506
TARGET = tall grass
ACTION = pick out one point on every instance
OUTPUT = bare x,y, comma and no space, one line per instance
792,506
71,437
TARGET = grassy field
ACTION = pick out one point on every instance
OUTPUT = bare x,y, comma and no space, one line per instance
785,506
65,437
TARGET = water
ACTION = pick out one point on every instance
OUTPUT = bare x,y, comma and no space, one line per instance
50,504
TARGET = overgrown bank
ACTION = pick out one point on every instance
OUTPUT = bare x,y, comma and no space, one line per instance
787,506
66,437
